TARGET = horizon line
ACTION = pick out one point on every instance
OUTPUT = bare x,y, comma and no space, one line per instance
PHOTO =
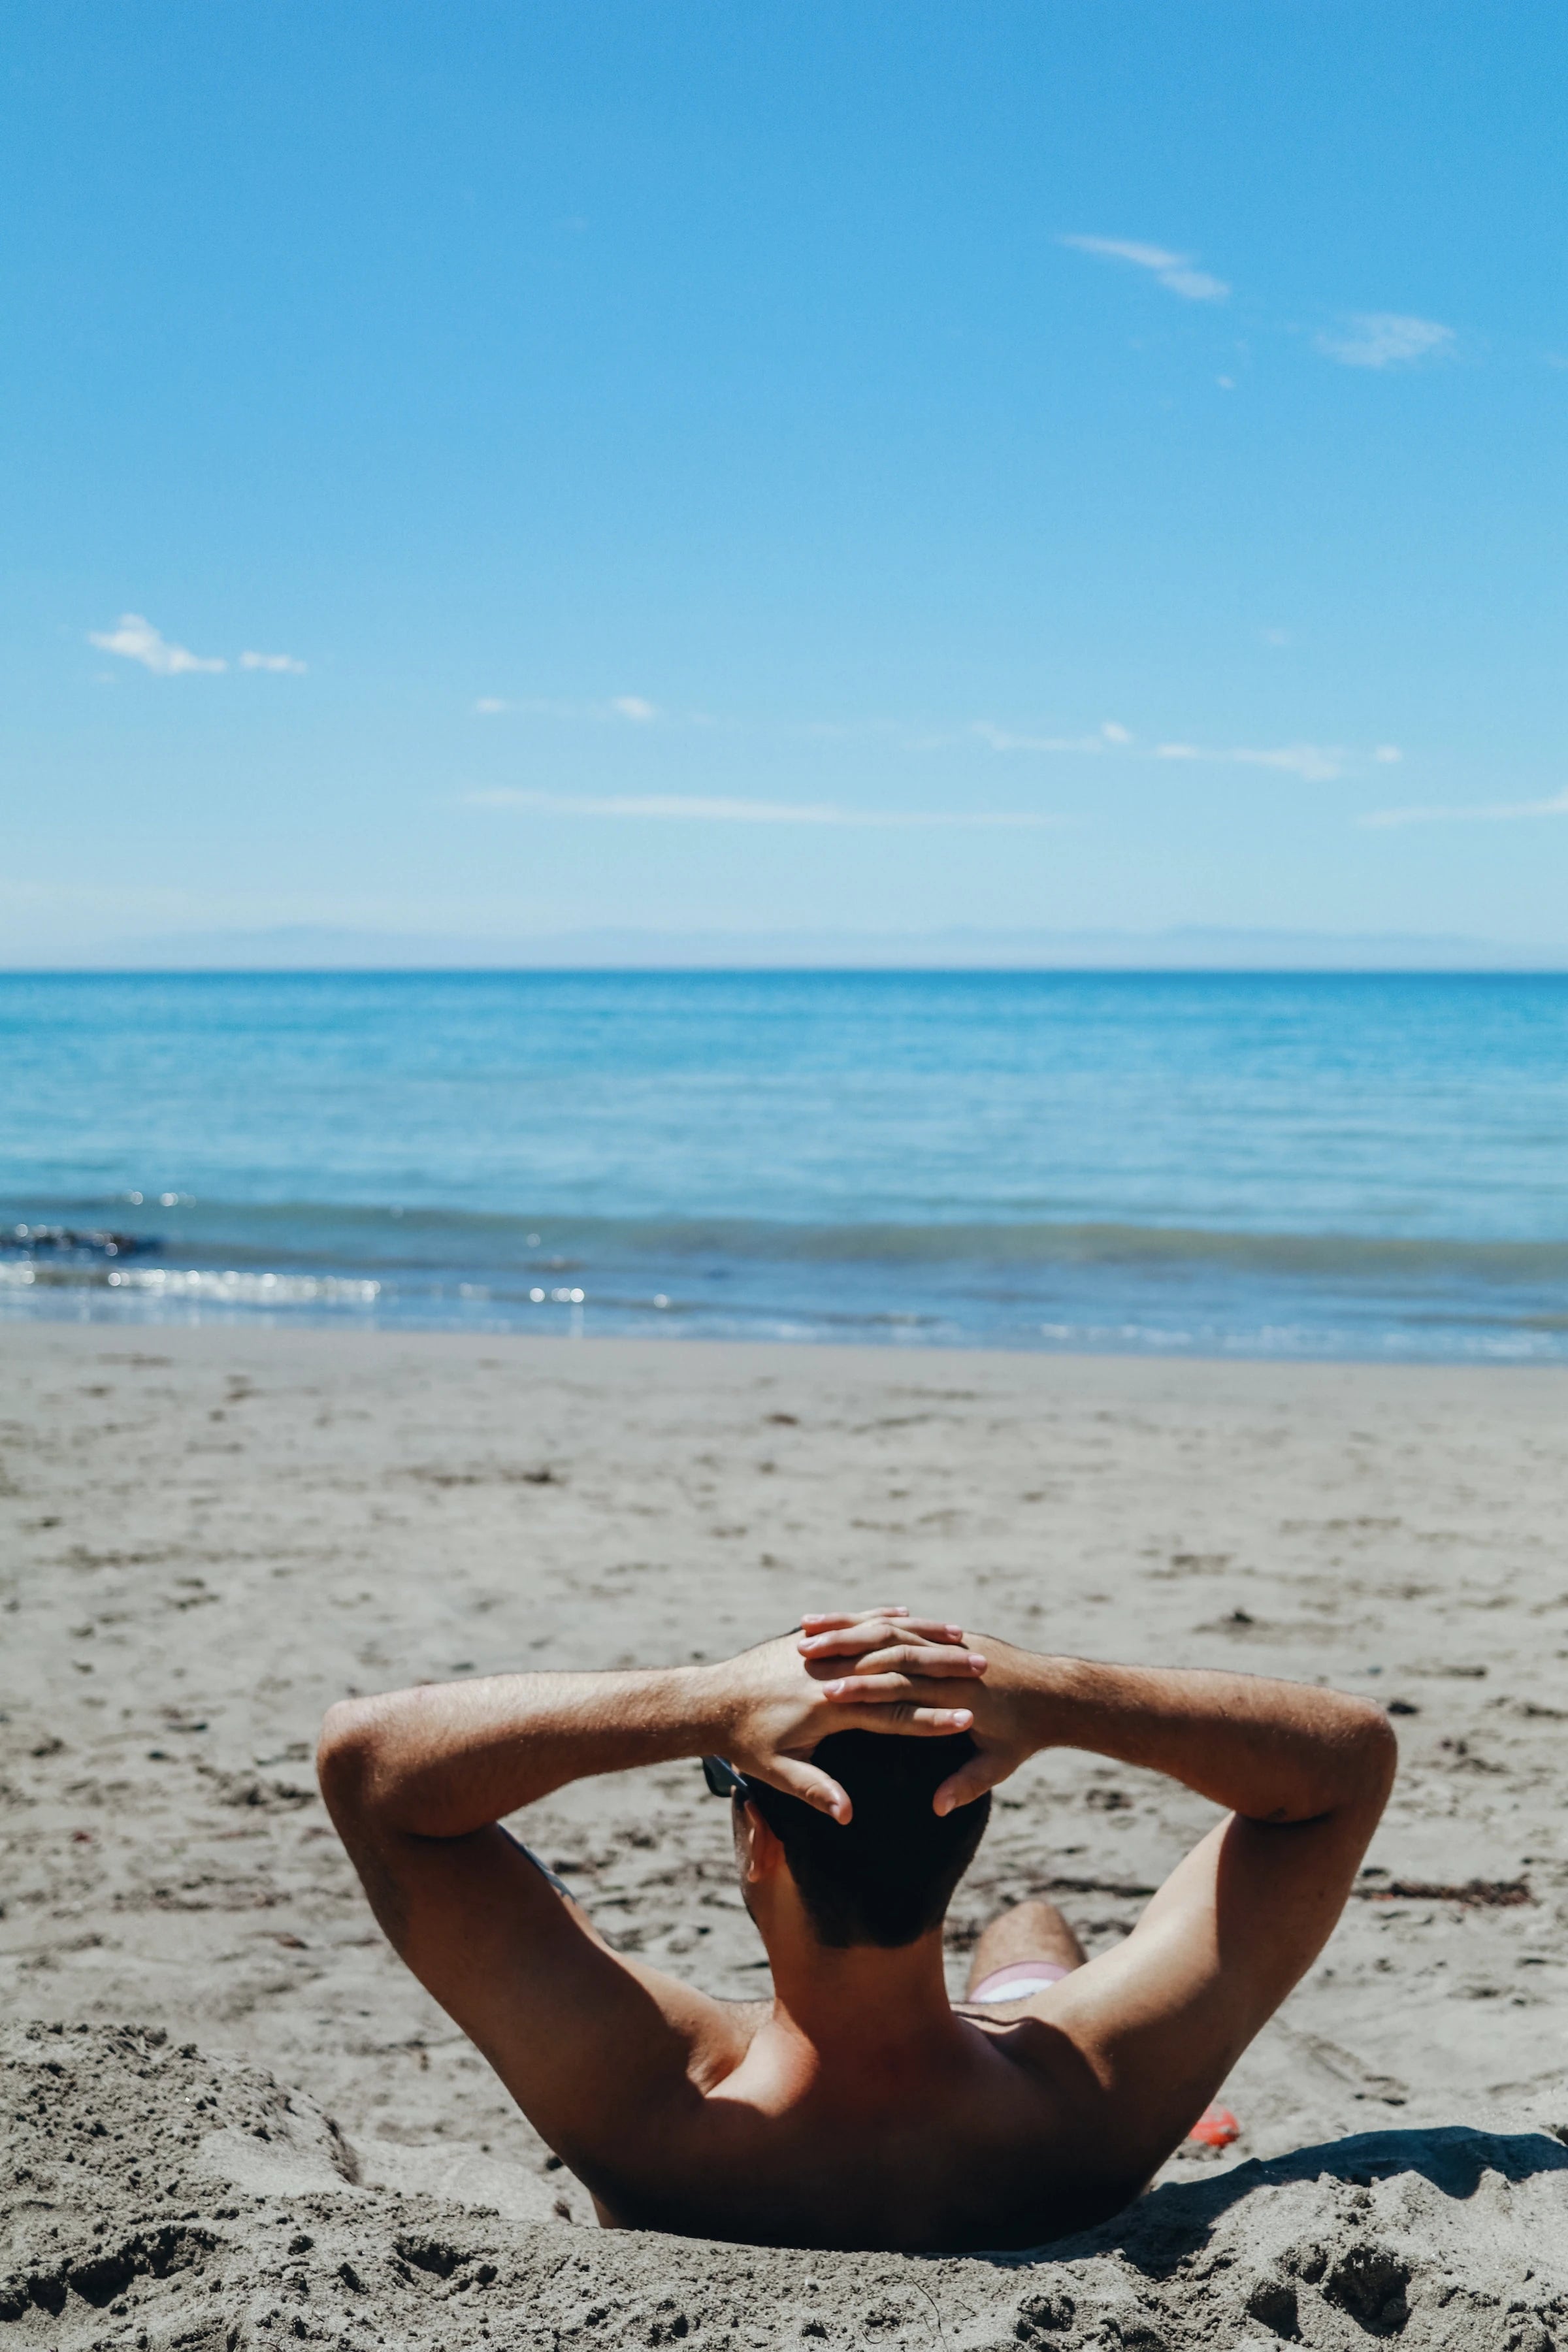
1556,970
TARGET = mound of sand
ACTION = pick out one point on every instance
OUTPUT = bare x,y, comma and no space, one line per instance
161,2198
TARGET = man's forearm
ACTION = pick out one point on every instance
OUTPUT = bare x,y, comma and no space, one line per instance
1275,1751
448,1758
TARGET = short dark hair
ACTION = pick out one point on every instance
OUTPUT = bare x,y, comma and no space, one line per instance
888,1875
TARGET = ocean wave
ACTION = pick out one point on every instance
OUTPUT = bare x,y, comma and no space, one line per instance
1152,1246
374,1237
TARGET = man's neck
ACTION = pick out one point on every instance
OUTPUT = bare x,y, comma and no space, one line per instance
858,2017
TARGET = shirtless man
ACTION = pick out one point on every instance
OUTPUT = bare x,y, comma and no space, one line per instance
859,2108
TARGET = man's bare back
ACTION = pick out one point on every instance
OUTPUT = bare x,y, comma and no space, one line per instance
859,2108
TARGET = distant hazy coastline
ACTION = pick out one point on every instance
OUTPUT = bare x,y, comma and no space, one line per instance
315,947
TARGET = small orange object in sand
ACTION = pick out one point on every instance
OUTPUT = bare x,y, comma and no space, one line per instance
1216,2127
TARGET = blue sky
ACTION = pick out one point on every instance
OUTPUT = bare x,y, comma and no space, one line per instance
498,470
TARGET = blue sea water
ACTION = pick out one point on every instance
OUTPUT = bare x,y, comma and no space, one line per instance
1293,1165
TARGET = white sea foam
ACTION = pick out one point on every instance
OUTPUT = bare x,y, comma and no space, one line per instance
227,1288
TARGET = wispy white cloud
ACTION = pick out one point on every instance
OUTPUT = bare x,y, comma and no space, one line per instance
681,808
1173,271
632,708
280,662
1482,813
1196,285
135,639
1315,763
1108,737
1383,339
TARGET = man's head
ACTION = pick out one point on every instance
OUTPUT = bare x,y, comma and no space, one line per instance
886,1876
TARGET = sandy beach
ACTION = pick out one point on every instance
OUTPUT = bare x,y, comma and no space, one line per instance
233,2118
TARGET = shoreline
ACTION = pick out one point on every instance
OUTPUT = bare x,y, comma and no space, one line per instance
235,1303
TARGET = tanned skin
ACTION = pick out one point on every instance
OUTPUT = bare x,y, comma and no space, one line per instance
859,2108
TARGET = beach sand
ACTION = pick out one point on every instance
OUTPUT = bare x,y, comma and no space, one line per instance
237,2121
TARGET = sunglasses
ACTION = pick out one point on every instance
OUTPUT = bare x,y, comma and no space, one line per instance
723,1779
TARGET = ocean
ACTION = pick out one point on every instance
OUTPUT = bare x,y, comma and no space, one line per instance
1301,1165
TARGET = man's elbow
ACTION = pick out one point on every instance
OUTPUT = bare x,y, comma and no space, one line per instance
1372,1754
347,1756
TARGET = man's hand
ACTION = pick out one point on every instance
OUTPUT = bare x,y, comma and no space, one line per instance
888,1654
777,1701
